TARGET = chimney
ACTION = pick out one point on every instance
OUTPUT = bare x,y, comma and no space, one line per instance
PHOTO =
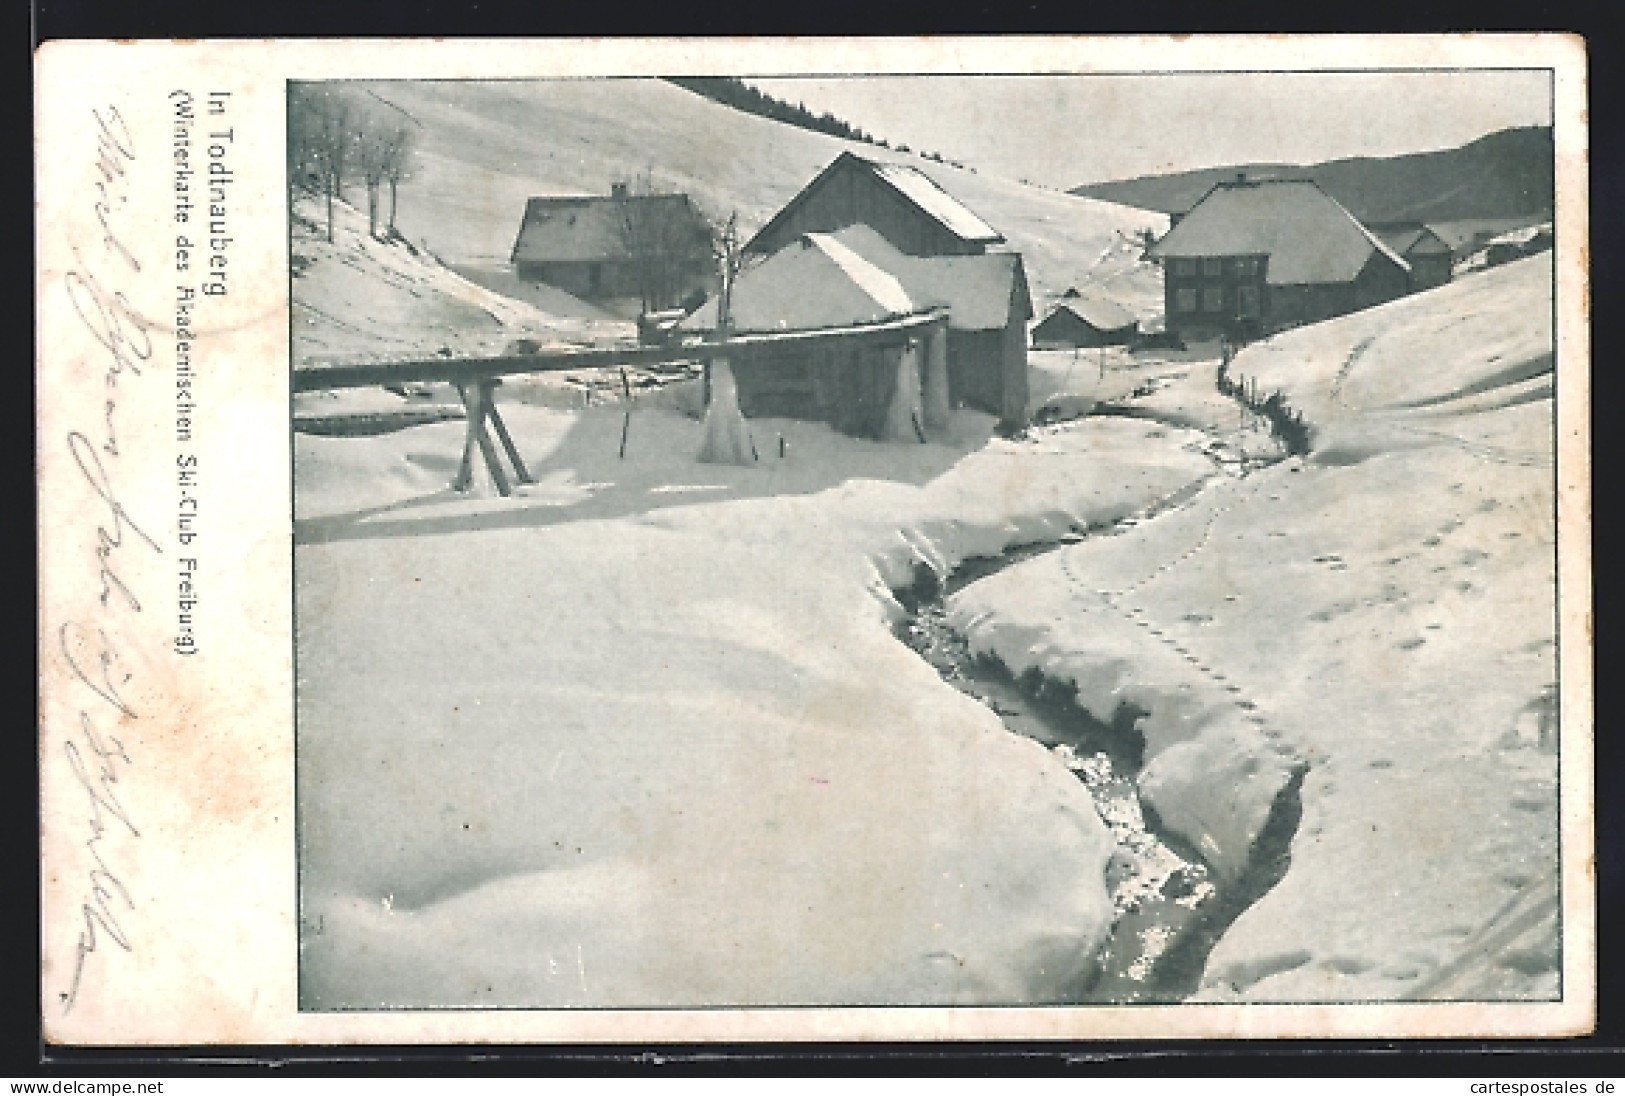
617,190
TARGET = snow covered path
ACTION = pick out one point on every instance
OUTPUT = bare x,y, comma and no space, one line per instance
1381,614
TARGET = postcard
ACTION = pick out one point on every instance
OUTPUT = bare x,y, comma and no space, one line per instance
930,539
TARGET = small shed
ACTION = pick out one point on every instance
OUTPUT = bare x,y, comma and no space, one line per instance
1085,321
900,202
1426,251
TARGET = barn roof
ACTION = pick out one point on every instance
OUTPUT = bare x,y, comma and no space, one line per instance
815,282
1309,237
1402,236
585,229
916,187
856,276
1098,312
922,190
1465,236
976,289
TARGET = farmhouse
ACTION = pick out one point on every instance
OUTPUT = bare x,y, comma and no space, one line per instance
1253,257
902,204
1085,321
653,247
976,358
1422,247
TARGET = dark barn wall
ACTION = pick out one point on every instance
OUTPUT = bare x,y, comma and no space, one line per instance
1296,305
1428,271
1013,359
1379,281
607,278
849,387
852,196
987,371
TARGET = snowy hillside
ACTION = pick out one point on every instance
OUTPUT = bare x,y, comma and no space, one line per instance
486,147
359,298
1377,620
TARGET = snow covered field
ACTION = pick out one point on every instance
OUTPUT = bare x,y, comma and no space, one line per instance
643,736
1381,614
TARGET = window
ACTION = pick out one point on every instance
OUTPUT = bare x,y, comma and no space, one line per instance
1247,267
1212,268
1213,299
1247,301
1185,268
1184,300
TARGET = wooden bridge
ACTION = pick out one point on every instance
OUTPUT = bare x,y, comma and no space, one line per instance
477,379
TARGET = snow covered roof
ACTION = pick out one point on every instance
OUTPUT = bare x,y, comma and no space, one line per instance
1403,236
1098,312
591,228
813,283
856,276
1308,237
920,189
976,289
915,187
1463,236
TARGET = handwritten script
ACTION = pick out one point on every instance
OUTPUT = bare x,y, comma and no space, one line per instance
93,657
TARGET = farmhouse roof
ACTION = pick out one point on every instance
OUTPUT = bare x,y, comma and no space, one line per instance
1098,312
856,276
1307,235
585,229
1402,236
815,282
916,187
978,290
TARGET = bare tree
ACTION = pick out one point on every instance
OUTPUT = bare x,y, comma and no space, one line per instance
665,237
382,146
728,251
336,134
321,134
397,165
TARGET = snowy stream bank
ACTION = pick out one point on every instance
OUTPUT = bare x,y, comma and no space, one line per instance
1170,906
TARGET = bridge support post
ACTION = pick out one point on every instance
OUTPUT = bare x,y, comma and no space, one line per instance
480,404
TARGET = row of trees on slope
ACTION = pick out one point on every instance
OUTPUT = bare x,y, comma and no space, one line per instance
733,92
340,135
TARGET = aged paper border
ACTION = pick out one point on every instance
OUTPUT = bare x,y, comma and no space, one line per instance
191,841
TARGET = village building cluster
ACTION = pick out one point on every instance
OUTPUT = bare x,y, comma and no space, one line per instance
934,303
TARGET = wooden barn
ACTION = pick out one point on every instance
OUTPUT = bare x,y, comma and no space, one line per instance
816,284
988,303
1424,249
1085,321
653,247
977,358
1254,257
903,204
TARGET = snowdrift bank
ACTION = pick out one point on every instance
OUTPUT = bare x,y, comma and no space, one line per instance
596,747
1382,614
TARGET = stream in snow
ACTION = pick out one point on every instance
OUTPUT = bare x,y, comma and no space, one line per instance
1170,908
